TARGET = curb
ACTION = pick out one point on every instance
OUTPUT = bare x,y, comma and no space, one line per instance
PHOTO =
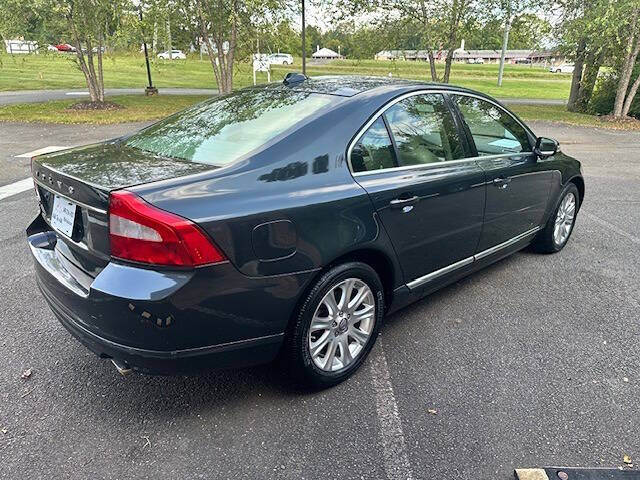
569,473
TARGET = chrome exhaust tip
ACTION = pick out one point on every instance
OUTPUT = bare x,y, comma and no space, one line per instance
123,368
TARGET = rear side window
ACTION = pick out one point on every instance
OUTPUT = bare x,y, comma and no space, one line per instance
221,130
424,130
374,150
494,131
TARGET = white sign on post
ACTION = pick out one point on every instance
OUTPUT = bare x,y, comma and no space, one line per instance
261,64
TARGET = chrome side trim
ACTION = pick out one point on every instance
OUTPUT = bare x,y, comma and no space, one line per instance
84,205
467,261
438,273
423,166
385,107
508,243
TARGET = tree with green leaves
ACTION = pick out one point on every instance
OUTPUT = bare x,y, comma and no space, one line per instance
86,24
595,33
440,22
228,28
509,10
631,49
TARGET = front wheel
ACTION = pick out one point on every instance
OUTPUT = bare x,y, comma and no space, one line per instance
336,326
558,229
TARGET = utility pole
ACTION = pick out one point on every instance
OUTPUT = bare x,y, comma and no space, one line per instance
150,90
304,50
505,41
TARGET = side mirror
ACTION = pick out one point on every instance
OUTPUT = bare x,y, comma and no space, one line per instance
545,147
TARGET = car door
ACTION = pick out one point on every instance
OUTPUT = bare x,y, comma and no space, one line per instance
518,185
429,197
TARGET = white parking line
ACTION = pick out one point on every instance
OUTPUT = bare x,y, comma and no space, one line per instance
612,227
41,151
77,93
396,462
16,187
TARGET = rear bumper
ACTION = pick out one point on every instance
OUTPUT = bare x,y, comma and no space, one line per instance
241,353
168,322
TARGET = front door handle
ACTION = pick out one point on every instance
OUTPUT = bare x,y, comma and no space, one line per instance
501,182
404,202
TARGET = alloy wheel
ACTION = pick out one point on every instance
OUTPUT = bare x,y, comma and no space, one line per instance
564,219
342,325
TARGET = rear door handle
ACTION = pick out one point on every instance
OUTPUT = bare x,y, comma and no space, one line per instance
404,202
501,182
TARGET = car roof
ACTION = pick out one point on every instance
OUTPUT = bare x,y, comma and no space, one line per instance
351,85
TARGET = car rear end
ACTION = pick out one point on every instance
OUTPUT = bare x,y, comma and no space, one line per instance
142,286
127,241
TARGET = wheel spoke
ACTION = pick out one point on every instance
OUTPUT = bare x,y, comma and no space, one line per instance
320,323
358,299
363,314
345,353
330,302
316,347
346,288
358,335
330,355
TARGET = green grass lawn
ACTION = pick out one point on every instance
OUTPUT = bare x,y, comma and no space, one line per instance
59,71
557,113
138,108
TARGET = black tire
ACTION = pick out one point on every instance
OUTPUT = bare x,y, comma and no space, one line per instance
545,242
297,351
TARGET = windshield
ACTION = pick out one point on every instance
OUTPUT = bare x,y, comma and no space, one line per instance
221,130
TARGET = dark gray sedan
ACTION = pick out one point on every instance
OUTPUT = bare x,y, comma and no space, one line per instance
289,219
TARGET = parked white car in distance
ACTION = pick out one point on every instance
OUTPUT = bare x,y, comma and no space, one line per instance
175,55
564,68
280,59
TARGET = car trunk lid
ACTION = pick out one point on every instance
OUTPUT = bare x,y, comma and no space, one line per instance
82,178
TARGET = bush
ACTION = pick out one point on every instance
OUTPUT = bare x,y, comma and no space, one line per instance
605,94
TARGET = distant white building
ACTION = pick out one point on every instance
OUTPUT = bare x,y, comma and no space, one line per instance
325,54
20,46
462,55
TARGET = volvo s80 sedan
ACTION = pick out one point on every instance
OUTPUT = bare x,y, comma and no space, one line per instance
288,219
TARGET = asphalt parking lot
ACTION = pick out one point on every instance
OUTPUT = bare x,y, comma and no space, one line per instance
534,361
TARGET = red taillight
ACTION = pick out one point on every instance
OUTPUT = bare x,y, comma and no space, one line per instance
143,233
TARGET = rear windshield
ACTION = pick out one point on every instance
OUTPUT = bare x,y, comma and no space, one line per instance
221,130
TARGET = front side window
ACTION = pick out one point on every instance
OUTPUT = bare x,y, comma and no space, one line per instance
424,130
221,130
374,150
494,131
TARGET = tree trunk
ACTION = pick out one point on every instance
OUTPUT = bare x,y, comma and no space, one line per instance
591,69
81,60
232,47
447,66
630,96
633,47
213,58
452,39
505,42
432,66
424,17
169,41
577,75
154,42
100,71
